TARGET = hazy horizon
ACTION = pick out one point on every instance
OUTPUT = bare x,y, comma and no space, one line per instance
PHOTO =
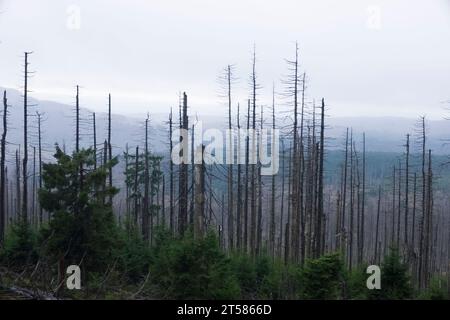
367,58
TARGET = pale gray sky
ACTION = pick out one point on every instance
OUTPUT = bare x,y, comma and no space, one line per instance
375,58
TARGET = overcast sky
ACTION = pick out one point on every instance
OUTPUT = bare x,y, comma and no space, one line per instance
372,58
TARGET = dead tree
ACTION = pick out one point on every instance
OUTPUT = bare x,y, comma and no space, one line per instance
77,120
320,245
136,185
376,258
110,149
363,202
25,144
287,230
253,178
393,206
344,199
94,132
229,157
18,193
424,207
3,208
280,244
33,195
39,117
399,207
259,222
406,191
145,213
272,208
199,208
183,172
171,194
239,185
350,232
246,181
292,91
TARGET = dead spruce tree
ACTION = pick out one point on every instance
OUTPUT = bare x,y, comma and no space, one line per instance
3,207
25,142
183,171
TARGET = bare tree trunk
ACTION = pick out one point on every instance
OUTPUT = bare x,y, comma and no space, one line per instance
272,209
259,222
3,208
363,202
295,221
247,155
199,213
135,191
192,201
163,202
110,150
253,221
94,129
344,200
39,116
280,245
301,172
33,196
406,191
287,230
229,149
424,209
25,144
171,192
183,189
413,228
18,193
146,212
393,206
376,258
399,209
320,212
239,186
350,245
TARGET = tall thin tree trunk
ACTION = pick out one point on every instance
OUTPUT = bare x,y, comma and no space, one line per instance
94,129
171,191
376,259
25,145
320,212
272,208
363,202
3,208
253,222
183,189
39,117
239,185
246,201
229,149
146,212
110,150
199,213
135,191
406,191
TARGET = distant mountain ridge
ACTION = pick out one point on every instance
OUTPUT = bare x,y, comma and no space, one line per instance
386,134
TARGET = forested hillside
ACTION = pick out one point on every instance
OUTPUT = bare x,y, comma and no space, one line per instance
142,226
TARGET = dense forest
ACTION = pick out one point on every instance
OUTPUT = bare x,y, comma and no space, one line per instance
141,226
